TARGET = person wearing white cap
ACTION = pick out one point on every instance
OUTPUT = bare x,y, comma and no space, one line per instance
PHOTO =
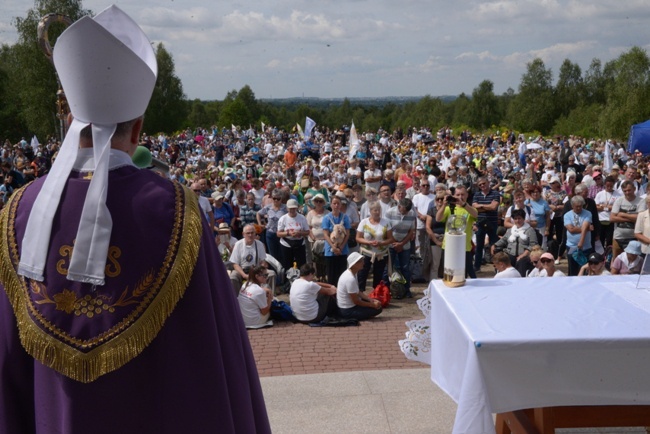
115,312
352,303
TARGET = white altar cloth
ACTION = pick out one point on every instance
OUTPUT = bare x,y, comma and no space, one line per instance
499,345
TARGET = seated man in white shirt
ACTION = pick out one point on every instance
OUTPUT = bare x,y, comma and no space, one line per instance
311,301
352,303
247,253
501,262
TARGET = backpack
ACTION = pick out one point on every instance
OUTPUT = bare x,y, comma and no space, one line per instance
381,293
281,311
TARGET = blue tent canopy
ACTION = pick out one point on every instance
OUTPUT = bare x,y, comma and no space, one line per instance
639,138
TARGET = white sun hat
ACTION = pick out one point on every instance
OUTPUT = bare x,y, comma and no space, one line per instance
108,70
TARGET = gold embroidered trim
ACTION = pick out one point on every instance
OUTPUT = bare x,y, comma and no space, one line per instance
109,356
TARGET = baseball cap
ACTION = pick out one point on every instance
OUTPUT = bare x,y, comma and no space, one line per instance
595,258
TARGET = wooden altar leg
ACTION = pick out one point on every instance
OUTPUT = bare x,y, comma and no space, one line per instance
544,420
516,422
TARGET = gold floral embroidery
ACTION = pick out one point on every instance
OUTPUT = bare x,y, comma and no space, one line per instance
89,305
65,300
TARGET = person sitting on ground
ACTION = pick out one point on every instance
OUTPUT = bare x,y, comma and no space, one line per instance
311,301
630,261
548,263
595,266
352,303
501,262
255,299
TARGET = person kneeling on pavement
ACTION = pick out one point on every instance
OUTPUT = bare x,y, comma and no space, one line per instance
352,303
311,301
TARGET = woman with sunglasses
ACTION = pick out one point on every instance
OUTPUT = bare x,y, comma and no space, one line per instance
548,264
255,299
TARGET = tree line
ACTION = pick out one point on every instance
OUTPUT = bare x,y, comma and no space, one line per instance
602,101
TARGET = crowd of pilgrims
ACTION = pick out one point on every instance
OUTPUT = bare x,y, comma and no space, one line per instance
279,203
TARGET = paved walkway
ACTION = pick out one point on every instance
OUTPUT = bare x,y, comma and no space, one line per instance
354,379
290,349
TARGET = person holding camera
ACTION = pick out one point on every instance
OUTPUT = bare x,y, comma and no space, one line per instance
457,205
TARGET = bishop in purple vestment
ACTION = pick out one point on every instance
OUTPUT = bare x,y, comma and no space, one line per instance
139,333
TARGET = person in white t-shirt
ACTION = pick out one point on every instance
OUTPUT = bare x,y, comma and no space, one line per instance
255,299
352,303
501,262
372,176
311,301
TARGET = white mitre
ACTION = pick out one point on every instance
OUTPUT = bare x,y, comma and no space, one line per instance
108,70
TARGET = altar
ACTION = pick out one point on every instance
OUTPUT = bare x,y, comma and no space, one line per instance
502,345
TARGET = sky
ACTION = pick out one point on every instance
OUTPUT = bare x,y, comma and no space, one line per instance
379,48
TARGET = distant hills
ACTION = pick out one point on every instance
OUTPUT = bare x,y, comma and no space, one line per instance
364,101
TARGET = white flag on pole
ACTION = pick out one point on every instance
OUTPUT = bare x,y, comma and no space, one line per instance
354,141
309,126
607,160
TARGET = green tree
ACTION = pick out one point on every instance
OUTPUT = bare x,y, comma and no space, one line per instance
594,84
627,92
532,109
569,88
11,124
483,108
167,109
461,110
199,116
31,73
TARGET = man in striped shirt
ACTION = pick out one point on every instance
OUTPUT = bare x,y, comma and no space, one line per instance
402,223
486,201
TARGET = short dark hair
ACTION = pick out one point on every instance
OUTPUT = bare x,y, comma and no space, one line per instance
307,269
518,213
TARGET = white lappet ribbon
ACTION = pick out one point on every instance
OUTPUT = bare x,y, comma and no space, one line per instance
93,235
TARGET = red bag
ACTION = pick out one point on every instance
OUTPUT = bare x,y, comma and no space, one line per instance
381,293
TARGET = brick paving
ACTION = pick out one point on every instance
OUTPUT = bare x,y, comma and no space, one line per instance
291,349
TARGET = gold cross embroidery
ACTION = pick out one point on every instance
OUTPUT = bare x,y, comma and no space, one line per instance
88,175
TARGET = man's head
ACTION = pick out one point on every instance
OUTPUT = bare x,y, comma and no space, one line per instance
577,203
384,193
628,190
501,261
483,184
460,193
